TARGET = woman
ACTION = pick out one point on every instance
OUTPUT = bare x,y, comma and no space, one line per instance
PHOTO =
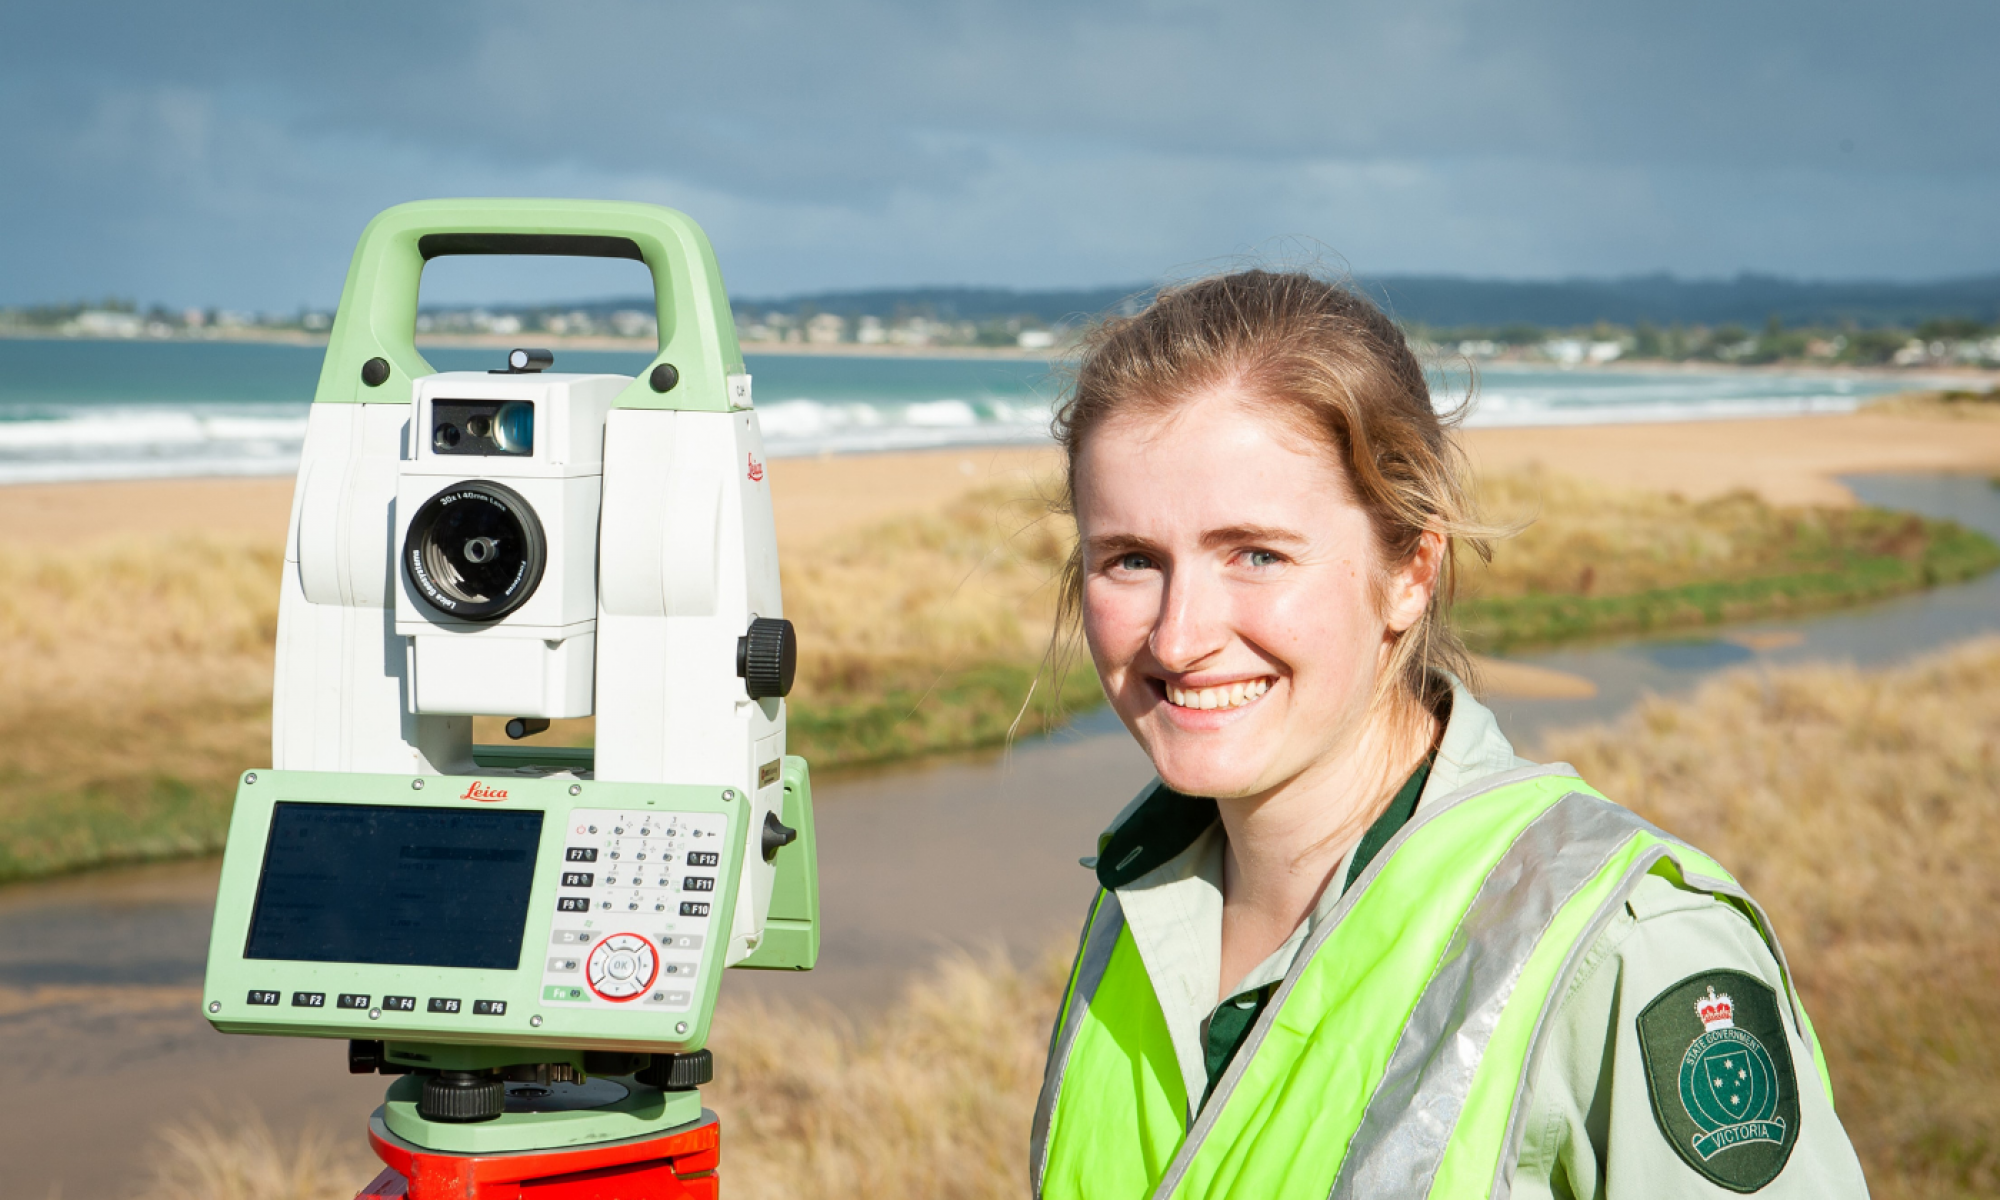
1349,944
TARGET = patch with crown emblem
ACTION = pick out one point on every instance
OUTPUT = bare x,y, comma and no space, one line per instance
1719,1072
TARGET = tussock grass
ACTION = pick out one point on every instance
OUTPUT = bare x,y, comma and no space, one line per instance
213,1158
1863,811
930,632
136,684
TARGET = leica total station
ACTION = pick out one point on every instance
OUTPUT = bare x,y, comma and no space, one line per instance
529,939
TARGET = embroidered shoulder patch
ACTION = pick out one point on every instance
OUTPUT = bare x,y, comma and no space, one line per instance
1719,1072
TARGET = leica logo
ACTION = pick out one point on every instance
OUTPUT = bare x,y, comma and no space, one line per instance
756,470
479,791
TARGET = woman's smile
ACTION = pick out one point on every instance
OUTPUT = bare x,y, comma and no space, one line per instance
1240,694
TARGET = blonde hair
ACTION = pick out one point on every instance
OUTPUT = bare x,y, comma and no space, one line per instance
1328,362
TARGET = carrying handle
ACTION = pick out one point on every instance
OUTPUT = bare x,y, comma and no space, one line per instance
372,356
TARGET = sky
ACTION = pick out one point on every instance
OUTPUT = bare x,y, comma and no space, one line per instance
227,153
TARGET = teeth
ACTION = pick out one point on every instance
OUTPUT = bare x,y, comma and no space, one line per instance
1232,695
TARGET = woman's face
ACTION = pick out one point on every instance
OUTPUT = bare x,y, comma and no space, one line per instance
1227,594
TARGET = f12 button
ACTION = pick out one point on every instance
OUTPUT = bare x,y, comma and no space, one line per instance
489,1008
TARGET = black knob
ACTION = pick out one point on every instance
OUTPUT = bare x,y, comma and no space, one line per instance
767,658
527,362
363,1058
664,377
459,1097
777,836
521,727
375,372
678,1072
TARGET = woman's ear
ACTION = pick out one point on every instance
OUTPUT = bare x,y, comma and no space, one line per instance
1413,583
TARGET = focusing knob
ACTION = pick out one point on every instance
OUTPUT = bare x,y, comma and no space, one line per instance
767,658
777,835
678,1072
462,1096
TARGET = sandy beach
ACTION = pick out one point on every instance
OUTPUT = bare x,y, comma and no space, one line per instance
1792,460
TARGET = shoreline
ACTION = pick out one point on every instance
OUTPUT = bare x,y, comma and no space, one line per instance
1918,377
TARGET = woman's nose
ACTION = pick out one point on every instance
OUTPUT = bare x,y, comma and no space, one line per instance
1193,621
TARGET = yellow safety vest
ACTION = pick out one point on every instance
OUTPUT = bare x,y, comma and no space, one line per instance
1394,1058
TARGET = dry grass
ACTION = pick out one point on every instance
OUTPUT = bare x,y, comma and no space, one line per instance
1863,811
137,683
1955,404
932,1100
241,1159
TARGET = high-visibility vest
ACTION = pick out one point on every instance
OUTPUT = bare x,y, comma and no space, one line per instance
1394,1058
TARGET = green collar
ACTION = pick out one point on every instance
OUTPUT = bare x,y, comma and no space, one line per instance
1167,822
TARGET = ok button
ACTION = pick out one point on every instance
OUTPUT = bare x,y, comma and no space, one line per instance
621,966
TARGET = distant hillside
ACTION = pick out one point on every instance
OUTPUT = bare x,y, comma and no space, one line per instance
1452,302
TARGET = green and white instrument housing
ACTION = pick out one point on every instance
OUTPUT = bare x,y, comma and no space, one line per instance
536,545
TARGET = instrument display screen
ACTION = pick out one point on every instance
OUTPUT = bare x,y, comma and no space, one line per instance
405,886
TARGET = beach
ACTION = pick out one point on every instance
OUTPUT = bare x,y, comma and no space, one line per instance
1788,460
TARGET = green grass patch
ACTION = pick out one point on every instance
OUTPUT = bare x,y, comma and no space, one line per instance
914,713
50,832
1835,574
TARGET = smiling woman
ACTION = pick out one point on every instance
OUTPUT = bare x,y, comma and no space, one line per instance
1348,943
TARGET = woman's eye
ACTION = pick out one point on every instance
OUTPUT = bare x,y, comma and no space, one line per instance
1262,558
1134,562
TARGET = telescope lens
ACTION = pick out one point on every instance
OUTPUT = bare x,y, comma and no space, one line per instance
514,428
475,551
446,436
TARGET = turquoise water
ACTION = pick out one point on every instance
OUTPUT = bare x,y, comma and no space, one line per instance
72,409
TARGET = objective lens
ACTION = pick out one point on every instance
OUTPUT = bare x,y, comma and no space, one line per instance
478,426
446,436
475,551
514,428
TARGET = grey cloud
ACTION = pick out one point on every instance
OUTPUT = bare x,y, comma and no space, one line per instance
209,151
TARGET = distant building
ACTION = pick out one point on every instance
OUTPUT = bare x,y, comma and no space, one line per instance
631,323
871,332
1036,339
824,329
97,323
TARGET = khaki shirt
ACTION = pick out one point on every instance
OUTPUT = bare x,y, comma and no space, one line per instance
1590,1131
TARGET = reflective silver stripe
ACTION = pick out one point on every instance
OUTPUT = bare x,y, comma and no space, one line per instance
1510,1143
1093,956
1401,1141
1231,1076
1639,868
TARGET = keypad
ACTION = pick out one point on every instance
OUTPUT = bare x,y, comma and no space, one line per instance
625,930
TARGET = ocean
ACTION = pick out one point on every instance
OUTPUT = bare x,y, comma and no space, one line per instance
74,410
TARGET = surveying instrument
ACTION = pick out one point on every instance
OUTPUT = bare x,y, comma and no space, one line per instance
528,939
